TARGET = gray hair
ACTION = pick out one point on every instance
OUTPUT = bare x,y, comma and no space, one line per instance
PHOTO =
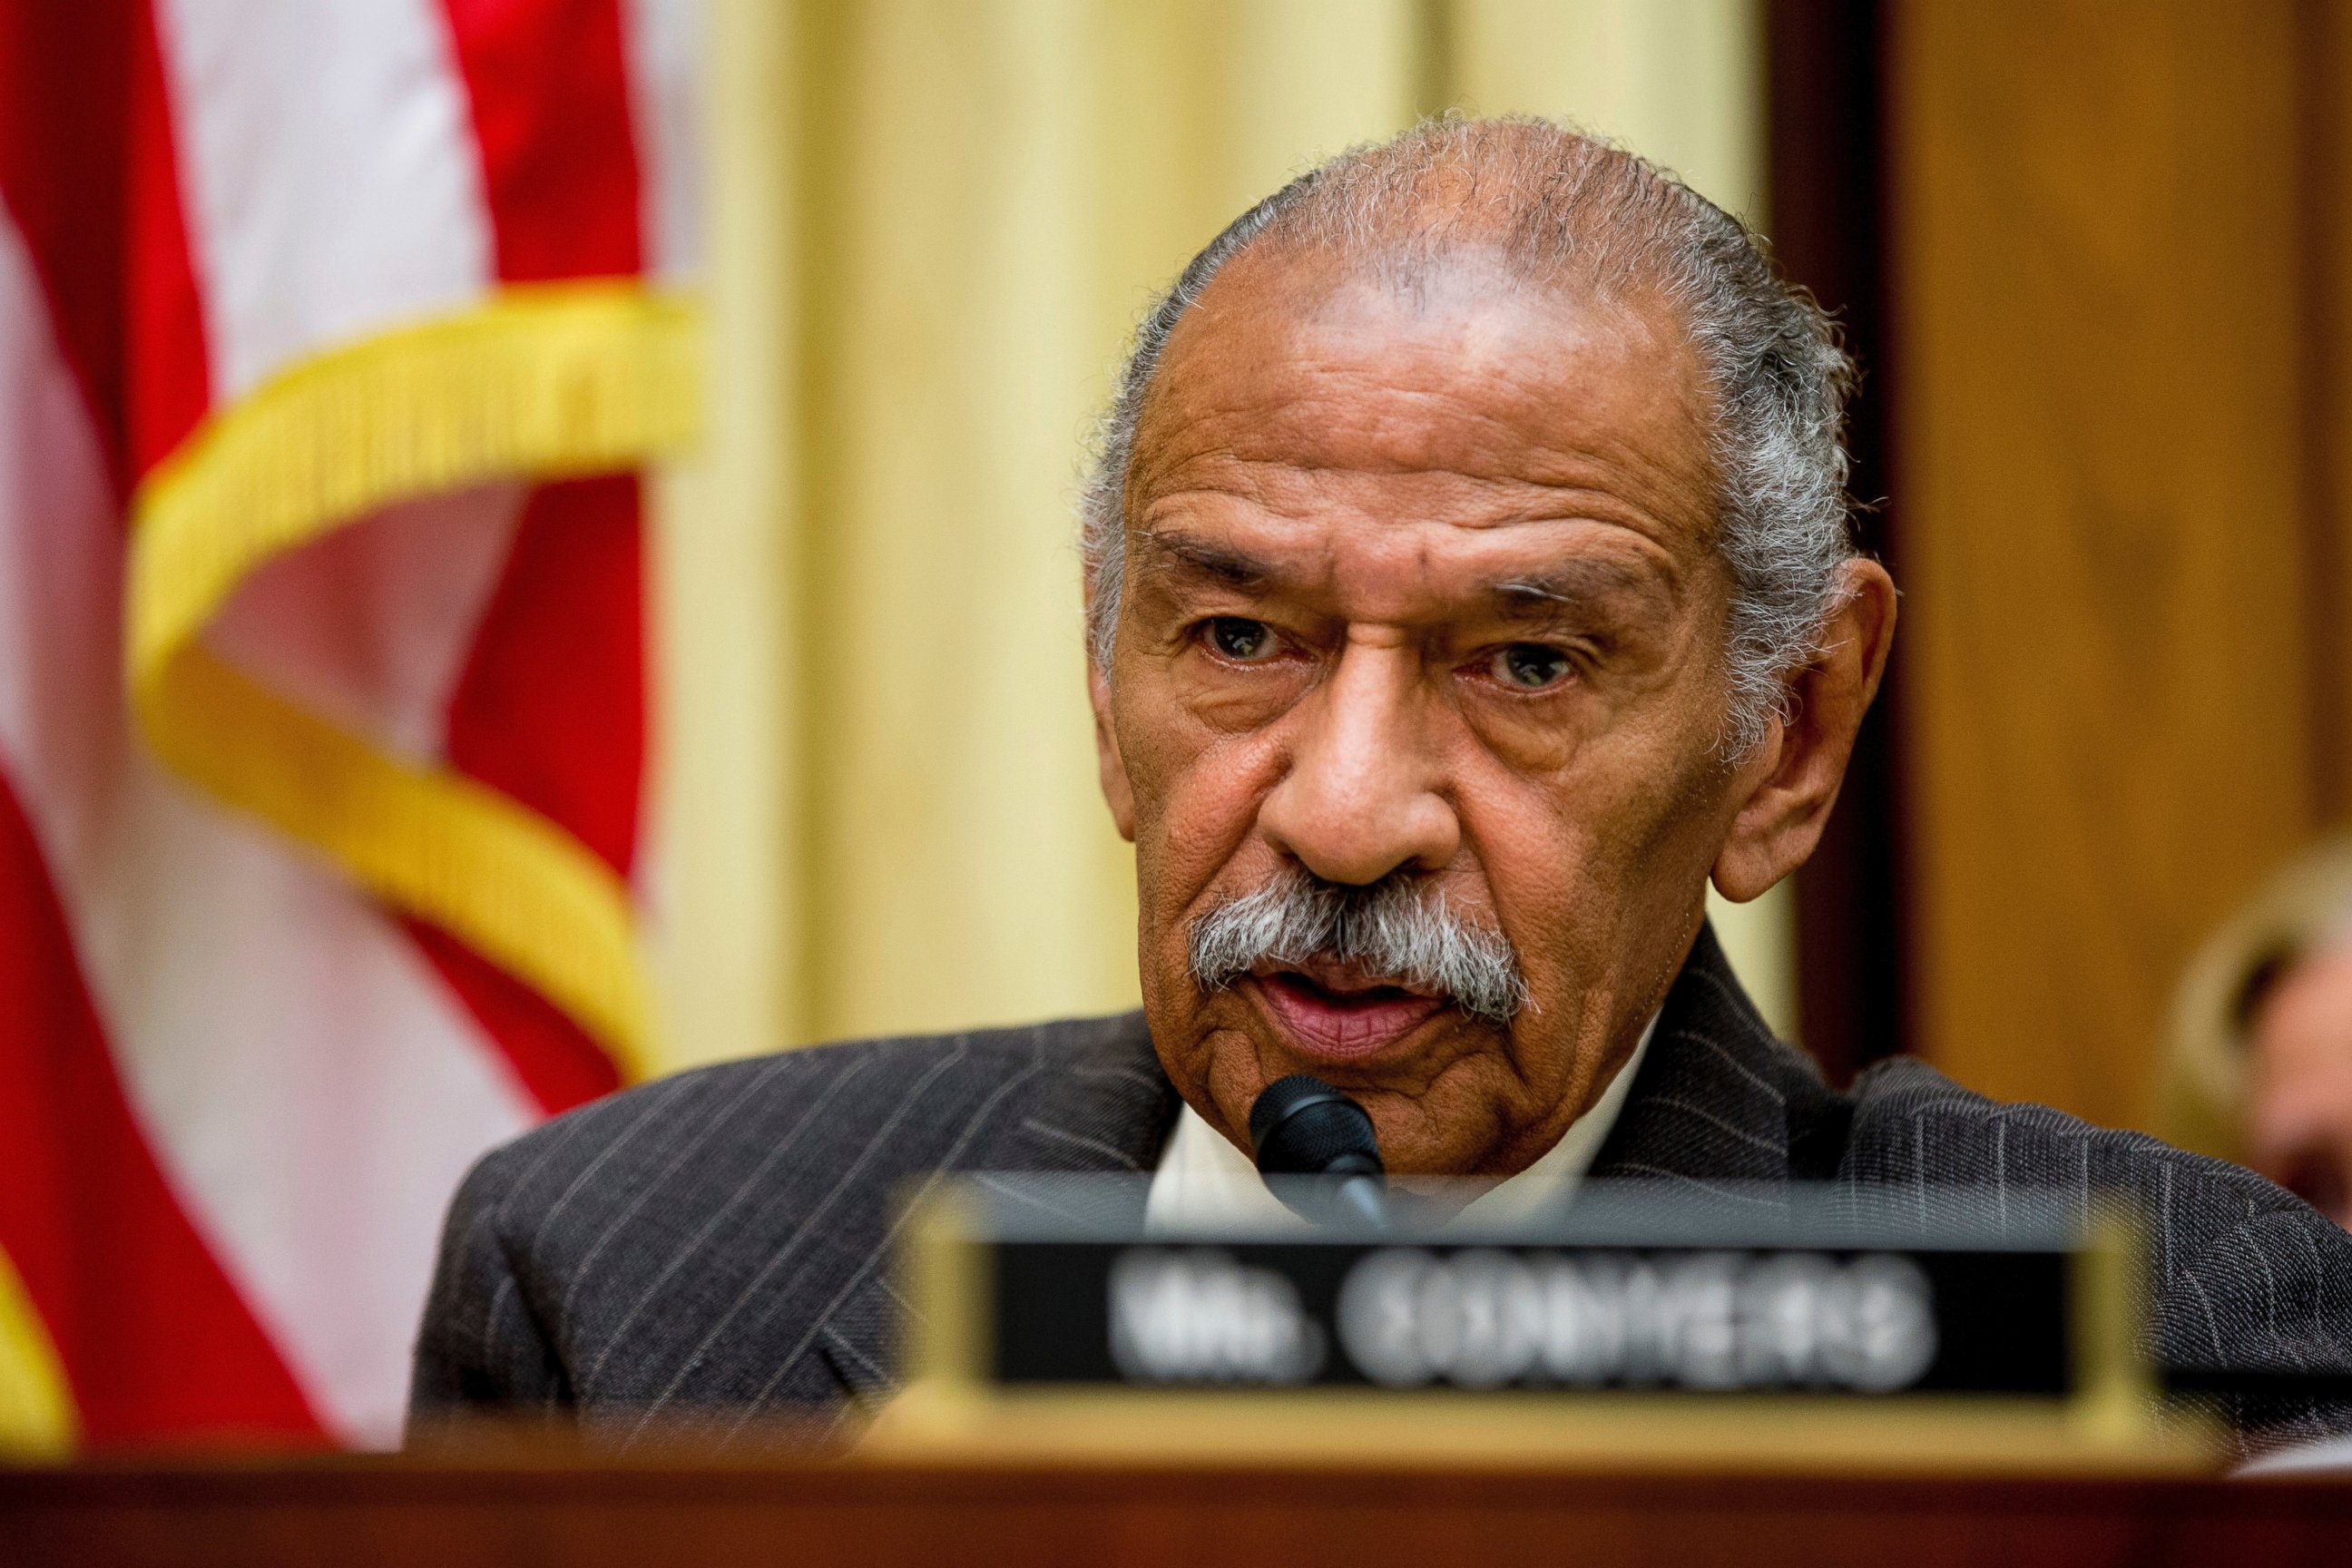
1398,928
1554,204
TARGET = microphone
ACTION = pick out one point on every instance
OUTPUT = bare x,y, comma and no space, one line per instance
1301,1127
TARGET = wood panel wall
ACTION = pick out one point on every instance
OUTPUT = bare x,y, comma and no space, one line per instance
2115,269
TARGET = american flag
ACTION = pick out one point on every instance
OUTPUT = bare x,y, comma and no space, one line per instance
332,336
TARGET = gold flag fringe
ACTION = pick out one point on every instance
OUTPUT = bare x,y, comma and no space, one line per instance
545,382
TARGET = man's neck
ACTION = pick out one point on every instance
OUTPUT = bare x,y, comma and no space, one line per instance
1204,1182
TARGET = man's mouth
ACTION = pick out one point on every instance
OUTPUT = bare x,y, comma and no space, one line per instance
1336,1012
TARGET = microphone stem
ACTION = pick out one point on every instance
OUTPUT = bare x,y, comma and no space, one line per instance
1364,1199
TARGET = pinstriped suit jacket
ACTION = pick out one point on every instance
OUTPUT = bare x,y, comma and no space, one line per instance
715,1246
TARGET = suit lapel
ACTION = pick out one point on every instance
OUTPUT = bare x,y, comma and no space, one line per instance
1091,1100
1719,1102
1100,1104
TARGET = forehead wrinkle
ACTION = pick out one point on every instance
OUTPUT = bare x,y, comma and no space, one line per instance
1383,428
1495,501
1254,453
1462,390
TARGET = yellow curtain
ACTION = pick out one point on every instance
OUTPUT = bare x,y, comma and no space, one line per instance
935,221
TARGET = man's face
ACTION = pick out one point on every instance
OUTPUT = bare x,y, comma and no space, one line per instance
1422,584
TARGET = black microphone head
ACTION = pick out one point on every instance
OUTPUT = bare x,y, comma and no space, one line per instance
1301,1126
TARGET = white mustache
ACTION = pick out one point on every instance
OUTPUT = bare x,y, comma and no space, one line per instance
1396,929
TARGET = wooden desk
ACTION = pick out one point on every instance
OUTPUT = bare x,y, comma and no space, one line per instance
359,1513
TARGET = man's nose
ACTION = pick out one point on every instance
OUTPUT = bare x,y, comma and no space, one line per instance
1362,796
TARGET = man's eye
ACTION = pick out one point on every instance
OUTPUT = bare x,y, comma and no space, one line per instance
1530,666
1244,642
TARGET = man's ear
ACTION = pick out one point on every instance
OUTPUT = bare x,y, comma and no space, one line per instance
1792,780
1117,791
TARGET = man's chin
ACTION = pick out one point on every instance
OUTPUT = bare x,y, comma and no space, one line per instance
1344,1036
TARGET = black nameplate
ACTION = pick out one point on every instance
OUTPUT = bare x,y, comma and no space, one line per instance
1055,1284
1720,1320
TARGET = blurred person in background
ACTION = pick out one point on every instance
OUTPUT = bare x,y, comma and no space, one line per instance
2260,1069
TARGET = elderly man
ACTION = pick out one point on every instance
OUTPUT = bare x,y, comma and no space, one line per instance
1467,583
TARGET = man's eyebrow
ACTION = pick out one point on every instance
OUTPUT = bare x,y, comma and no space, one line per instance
1228,565
1567,584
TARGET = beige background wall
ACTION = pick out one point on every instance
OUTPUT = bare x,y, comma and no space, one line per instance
935,221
